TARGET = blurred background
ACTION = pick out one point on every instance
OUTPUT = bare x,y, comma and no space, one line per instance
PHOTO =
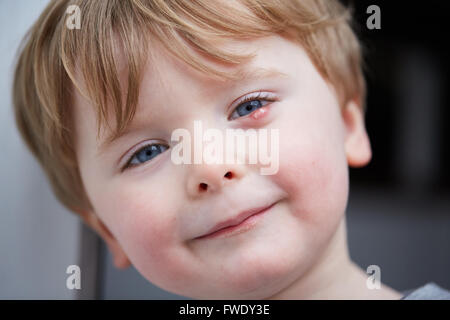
399,206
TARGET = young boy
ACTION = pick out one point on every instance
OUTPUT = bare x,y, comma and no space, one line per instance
101,87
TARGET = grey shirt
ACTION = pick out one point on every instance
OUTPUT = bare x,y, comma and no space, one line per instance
429,291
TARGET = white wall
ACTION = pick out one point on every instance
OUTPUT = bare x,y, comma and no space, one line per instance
38,237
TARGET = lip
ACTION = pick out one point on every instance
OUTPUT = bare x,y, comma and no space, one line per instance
242,222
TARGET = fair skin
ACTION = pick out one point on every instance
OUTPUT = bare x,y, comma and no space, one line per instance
150,215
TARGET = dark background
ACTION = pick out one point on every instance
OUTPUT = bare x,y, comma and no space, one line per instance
399,208
413,35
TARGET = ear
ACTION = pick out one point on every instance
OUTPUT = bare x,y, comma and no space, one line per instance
121,260
357,144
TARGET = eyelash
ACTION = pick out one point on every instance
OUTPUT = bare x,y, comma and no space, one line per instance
251,97
263,96
128,164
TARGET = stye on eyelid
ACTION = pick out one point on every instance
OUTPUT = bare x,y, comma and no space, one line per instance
259,113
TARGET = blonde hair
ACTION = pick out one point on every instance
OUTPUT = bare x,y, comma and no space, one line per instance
51,53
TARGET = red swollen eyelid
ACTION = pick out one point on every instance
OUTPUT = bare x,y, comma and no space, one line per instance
259,113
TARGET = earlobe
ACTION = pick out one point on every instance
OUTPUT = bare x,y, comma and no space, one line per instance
357,144
121,260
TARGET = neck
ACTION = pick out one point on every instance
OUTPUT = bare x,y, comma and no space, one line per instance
335,276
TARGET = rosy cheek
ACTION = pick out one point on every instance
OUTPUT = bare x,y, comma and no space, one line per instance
155,227
315,180
154,247
139,219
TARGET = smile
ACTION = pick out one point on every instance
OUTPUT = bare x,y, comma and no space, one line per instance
242,223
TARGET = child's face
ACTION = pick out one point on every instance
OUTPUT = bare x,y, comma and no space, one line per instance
155,211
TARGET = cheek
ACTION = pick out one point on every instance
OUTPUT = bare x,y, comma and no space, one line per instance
140,217
313,171
147,227
317,181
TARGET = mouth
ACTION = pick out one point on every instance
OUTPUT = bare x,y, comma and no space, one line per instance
243,222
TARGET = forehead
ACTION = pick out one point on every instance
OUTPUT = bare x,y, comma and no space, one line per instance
167,78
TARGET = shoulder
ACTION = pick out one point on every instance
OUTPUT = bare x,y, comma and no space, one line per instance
429,291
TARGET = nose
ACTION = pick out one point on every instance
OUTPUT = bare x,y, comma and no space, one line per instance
208,178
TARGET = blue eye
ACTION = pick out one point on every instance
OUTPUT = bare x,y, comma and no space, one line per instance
249,105
145,154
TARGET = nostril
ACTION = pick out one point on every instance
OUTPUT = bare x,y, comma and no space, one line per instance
203,186
228,175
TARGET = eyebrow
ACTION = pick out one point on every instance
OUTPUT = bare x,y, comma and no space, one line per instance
240,75
258,74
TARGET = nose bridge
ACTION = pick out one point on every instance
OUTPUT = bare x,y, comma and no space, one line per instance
203,177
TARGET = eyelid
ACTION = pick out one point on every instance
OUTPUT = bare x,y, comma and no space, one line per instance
128,156
270,96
